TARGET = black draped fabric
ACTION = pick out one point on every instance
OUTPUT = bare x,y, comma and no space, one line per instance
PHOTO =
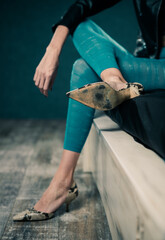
144,118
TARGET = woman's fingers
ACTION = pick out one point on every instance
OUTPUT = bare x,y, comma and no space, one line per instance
51,85
35,75
52,79
45,92
46,85
41,90
37,80
42,80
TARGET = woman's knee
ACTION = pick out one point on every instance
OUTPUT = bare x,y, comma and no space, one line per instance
80,66
82,74
80,71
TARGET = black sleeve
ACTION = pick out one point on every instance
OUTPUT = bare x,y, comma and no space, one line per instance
82,9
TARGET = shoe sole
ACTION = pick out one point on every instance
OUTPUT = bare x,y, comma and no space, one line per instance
100,95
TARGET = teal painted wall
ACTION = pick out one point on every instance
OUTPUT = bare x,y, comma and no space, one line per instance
25,31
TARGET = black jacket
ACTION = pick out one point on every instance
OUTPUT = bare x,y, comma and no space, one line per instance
149,14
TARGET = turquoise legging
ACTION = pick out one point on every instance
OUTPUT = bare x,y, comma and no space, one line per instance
99,52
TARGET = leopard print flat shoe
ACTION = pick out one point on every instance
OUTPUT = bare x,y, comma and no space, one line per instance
102,96
34,215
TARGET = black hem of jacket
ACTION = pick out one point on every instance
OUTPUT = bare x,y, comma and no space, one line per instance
81,9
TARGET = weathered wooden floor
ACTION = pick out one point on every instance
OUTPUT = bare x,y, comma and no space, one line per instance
30,151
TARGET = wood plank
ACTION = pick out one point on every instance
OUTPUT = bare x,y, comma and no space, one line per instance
31,151
86,219
130,179
9,188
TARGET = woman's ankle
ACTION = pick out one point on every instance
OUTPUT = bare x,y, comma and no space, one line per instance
111,72
114,78
65,180
115,82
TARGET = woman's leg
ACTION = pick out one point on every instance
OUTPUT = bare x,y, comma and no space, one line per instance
142,117
102,53
79,120
97,49
58,188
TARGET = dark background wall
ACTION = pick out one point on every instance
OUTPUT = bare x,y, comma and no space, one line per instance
25,31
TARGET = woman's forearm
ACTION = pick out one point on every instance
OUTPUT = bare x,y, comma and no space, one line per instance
47,69
59,38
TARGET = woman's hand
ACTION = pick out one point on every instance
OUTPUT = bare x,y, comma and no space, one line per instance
46,71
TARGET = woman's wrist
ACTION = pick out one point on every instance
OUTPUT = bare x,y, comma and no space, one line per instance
58,39
54,49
